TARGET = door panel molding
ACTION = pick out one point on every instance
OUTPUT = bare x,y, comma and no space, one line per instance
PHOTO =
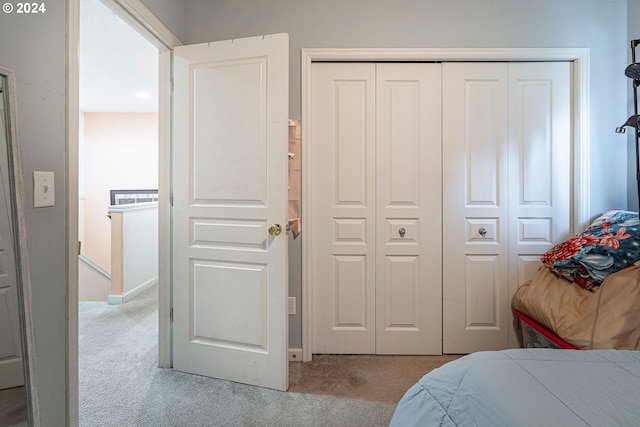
580,59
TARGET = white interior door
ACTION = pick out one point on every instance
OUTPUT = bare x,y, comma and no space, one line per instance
11,361
229,185
475,204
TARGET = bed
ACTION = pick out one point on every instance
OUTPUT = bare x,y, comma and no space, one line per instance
527,387
536,335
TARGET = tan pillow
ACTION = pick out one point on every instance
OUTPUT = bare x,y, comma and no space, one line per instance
557,304
617,313
607,318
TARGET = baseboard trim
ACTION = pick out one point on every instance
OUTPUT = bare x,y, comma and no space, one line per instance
295,355
121,299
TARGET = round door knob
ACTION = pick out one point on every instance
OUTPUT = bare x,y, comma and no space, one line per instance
275,229
482,231
401,232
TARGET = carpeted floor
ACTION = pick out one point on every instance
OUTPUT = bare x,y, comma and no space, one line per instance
13,407
121,385
382,379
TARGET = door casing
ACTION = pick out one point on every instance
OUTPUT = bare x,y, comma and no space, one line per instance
581,153
138,16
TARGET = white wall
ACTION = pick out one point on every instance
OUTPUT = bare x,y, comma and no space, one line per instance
140,244
34,47
596,24
134,237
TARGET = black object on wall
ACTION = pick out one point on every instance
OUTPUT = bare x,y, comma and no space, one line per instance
633,72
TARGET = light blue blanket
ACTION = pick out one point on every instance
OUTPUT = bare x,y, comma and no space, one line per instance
533,387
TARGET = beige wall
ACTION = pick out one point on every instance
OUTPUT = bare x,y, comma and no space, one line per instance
120,152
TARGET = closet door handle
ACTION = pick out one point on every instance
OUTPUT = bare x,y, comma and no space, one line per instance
482,231
402,231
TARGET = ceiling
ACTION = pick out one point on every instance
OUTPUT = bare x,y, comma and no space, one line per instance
116,63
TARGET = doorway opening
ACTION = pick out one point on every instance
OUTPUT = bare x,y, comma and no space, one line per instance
117,182
136,16
118,157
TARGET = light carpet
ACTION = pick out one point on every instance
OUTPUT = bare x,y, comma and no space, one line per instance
121,385
13,407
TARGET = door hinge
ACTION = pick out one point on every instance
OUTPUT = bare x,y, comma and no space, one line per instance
172,86
171,315
171,198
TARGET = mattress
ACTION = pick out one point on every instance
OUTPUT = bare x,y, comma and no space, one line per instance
527,387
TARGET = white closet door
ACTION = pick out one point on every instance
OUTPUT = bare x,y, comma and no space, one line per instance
409,210
433,182
475,207
343,207
539,165
507,191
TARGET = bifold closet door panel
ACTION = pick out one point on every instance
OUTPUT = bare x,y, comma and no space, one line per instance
409,210
475,207
507,191
343,207
539,164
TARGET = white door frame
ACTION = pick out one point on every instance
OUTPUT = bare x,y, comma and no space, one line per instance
580,93
139,17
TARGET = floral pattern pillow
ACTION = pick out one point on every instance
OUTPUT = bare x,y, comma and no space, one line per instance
611,242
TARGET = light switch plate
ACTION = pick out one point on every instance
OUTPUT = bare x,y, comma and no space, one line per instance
44,194
291,308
